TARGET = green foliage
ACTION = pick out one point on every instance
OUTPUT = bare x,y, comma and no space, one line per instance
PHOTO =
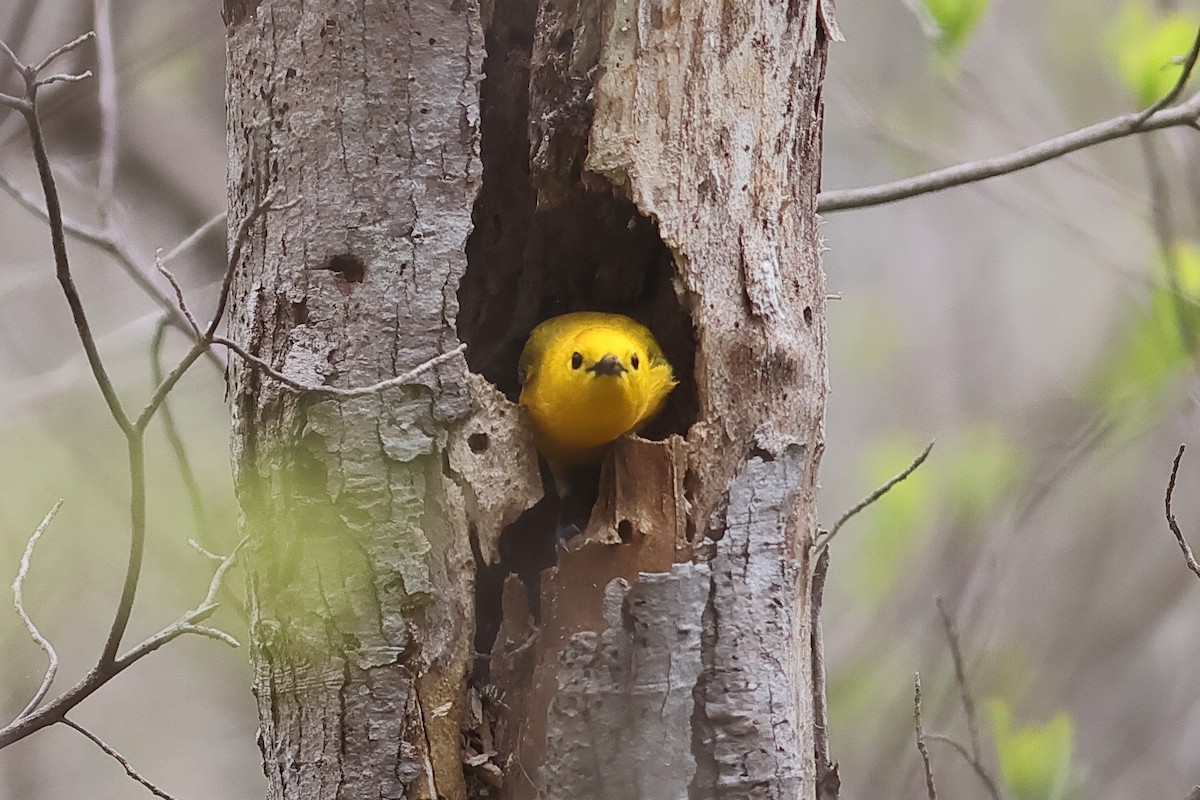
979,470
1035,760
898,521
1153,350
1150,48
963,480
952,23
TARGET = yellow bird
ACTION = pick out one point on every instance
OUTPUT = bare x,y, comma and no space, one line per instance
588,378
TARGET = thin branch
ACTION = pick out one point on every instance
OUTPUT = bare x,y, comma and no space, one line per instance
136,448
922,748
15,103
205,340
106,67
116,756
828,781
1162,220
334,391
823,541
186,473
948,177
57,709
188,622
960,675
180,300
1188,556
59,245
19,604
975,757
61,51
987,779
64,78
235,255
1170,97
18,65
115,246
192,238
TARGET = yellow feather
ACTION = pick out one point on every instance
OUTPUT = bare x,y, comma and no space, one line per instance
588,378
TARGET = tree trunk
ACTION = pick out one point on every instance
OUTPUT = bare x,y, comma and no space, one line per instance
673,658
366,115
656,159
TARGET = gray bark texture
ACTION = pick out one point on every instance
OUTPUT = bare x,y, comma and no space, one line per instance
366,115
412,634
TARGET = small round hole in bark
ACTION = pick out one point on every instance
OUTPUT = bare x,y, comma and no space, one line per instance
478,442
349,266
300,312
625,531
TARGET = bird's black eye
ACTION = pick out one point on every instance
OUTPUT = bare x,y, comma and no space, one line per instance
633,361
576,360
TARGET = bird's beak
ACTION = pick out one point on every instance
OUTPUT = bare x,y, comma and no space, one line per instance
609,365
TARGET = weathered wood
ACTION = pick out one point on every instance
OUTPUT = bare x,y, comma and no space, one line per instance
360,572
653,158
689,677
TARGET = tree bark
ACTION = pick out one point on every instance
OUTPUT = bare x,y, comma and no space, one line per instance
674,656
366,116
651,158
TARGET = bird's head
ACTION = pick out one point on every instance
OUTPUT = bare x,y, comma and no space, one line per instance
602,354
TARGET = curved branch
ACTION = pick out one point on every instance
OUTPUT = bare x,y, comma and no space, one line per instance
1156,117
19,604
972,171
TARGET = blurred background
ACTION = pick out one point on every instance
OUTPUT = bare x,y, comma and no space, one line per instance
1041,327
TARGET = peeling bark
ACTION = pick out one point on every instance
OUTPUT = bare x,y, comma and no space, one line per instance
674,653
656,159
366,115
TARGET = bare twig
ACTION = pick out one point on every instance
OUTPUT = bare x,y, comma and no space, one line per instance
12,57
334,391
922,748
57,240
1162,221
192,238
1189,64
106,68
987,779
206,339
19,604
64,78
116,247
180,301
186,473
1155,117
975,756
1188,556
61,51
828,781
823,541
960,675
116,756
189,623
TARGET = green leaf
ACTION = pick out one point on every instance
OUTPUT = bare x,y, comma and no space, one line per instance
1152,352
1035,760
980,470
898,521
1150,49
952,22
